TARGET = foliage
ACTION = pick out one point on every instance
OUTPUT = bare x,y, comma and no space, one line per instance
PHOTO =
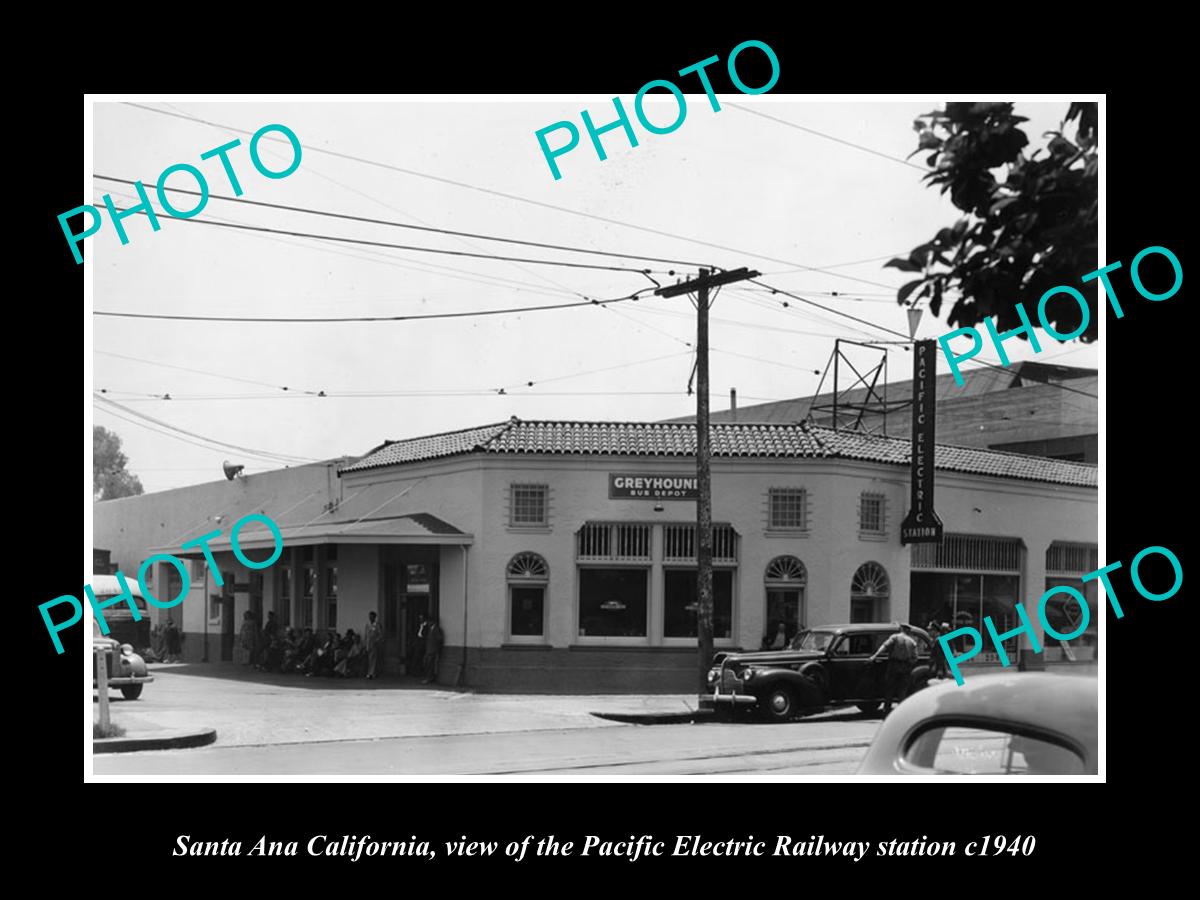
1030,221
110,479
113,730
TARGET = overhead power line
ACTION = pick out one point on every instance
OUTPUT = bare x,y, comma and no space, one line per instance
280,457
425,228
828,137
329,319
836,312
410,247
519,199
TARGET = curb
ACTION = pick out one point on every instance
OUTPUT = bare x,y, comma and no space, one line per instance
655,718
173,740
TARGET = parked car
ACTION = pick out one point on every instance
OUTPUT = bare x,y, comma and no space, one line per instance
126,669
1009,723
121,626
822,667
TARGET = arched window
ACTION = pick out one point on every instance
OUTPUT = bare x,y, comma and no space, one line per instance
784,582
870,594
528,578
786,569
528,567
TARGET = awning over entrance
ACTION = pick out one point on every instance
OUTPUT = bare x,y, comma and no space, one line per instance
414,528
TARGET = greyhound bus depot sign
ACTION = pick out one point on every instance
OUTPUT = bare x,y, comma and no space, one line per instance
622,486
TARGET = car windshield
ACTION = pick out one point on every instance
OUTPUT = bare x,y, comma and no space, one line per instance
812,640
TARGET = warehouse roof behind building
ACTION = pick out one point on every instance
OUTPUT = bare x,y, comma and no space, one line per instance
748,441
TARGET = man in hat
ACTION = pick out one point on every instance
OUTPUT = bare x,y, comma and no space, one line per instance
900,652
937,656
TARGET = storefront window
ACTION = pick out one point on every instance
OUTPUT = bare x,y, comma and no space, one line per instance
1064,616
612,602
681,601
961,600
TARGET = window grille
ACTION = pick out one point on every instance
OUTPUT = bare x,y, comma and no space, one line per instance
679,543
870,513
969,553
528,504
613,542
787,508
1067,558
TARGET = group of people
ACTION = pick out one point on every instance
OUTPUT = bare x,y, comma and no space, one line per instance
166,642
351,655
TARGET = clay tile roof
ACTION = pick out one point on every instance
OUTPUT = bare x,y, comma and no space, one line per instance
729,440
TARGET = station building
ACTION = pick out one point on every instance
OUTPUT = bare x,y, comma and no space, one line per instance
560,556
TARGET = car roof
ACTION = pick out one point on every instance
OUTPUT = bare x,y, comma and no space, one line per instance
107,585
863,626
1061,704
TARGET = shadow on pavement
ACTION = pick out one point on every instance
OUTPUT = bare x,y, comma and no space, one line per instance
237,672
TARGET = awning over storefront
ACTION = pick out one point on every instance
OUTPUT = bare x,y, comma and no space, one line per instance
414,528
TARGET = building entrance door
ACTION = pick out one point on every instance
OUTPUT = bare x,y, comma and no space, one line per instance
227,633
410,592
784,605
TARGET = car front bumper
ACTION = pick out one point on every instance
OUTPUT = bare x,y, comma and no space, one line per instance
121,680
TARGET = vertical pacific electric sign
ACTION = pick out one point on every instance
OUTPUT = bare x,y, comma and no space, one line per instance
922,524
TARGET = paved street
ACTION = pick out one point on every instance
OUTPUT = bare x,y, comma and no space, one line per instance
286,725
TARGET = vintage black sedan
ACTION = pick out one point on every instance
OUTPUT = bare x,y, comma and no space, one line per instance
822,667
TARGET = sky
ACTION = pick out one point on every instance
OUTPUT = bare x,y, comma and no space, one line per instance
727,188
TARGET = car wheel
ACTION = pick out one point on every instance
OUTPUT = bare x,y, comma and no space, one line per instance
779,703
131,691
868,707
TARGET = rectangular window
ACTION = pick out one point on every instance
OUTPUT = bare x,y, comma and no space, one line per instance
528,506
962,600
612,602
331,597
787,508
283,600
681,601
528,607
308,596
174,584
870,514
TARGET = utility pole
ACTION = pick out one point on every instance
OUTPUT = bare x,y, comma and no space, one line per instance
704,573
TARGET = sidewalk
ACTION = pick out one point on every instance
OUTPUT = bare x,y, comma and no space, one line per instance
253,708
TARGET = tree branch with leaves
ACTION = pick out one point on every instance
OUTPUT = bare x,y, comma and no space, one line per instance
1030,221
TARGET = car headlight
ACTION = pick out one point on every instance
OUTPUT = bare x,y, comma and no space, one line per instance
747,674
713,675
126,649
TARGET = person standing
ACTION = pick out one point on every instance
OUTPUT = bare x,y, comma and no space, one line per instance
900,652
373,637
780,642
937,656
248,639
172,640
433,650
416,649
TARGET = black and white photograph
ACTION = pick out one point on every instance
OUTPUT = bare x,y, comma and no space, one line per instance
706,432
